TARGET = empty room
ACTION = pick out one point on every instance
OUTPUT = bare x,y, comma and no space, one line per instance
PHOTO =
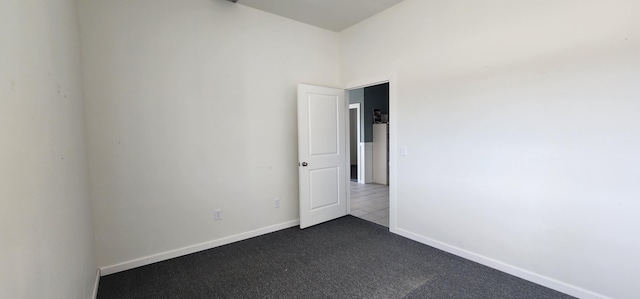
200,149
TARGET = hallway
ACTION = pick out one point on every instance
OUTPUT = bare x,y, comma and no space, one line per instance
370,202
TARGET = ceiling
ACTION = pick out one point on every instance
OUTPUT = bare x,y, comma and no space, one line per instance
334,15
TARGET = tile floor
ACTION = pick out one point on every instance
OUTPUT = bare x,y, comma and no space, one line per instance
370,202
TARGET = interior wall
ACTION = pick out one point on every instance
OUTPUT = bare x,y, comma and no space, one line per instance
191,107
46,236
520,120
375,97
357,96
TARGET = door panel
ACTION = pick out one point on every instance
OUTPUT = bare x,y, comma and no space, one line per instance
322,193
322,154
323,125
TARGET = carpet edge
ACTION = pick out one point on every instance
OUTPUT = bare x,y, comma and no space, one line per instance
139,262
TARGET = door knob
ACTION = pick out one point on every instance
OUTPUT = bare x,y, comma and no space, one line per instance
304,164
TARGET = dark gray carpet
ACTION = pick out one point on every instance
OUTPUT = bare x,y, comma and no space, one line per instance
344,258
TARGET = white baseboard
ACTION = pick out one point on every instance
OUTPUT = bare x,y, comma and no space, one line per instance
195,248
96,284
504,267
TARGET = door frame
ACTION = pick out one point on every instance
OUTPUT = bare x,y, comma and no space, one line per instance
393,124
359,158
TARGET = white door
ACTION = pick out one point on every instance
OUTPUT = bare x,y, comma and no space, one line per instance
322,150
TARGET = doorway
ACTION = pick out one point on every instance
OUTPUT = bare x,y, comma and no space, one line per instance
354,142
369,194
325,162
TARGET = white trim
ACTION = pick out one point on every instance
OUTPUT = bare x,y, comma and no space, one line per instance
361,162
504,267
195,248
370,82
95,285
393,141
347,149
358,157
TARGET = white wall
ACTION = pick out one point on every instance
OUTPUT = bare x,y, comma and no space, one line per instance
46,236
191,107
521,121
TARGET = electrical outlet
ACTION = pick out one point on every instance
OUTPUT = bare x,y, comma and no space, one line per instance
217,214
276,202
